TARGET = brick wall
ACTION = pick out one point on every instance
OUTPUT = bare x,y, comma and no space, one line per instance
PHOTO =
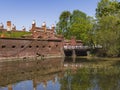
29,47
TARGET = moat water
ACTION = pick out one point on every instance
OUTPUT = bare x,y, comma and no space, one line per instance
61,74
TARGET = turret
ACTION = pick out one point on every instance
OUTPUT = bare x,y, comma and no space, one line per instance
33,26
8,25
53,28
44,26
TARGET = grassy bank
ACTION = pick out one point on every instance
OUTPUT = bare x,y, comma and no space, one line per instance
16,34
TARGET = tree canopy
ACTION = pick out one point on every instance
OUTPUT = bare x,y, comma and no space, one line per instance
76,24
103,31
108,29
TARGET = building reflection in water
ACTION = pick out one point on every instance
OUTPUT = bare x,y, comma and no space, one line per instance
39,72
59,74
10,87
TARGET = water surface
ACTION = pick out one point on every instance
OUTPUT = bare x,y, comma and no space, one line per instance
59,74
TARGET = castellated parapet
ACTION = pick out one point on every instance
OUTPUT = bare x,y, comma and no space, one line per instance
43,31
36,32
41,42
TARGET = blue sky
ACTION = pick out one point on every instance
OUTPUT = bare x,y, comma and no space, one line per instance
23,12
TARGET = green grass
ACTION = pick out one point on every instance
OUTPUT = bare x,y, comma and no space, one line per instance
14,34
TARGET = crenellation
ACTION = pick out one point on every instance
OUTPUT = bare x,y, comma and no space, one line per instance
36,32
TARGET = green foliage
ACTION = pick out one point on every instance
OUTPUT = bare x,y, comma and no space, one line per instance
76,24
104,31
108,26
107,7
62,25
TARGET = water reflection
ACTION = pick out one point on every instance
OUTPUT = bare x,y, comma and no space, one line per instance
91,74
59,74
89,79
30,75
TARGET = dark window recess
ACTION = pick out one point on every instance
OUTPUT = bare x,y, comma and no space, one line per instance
37,46
40,37
22,46
13,46
37,69
43,46
3,46
56,45
30,46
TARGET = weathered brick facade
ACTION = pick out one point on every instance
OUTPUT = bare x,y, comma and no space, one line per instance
42,32
42,43
29,48
73,42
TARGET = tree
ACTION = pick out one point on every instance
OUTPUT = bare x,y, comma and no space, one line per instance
108,30
107,7
76,24
62,25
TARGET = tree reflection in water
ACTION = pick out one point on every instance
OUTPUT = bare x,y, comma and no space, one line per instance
97,76
75,74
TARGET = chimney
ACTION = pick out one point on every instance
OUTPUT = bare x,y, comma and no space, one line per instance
44,26
8,25
33,26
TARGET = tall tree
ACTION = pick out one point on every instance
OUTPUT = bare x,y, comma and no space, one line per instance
80,25
108,30
62,25
76,24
